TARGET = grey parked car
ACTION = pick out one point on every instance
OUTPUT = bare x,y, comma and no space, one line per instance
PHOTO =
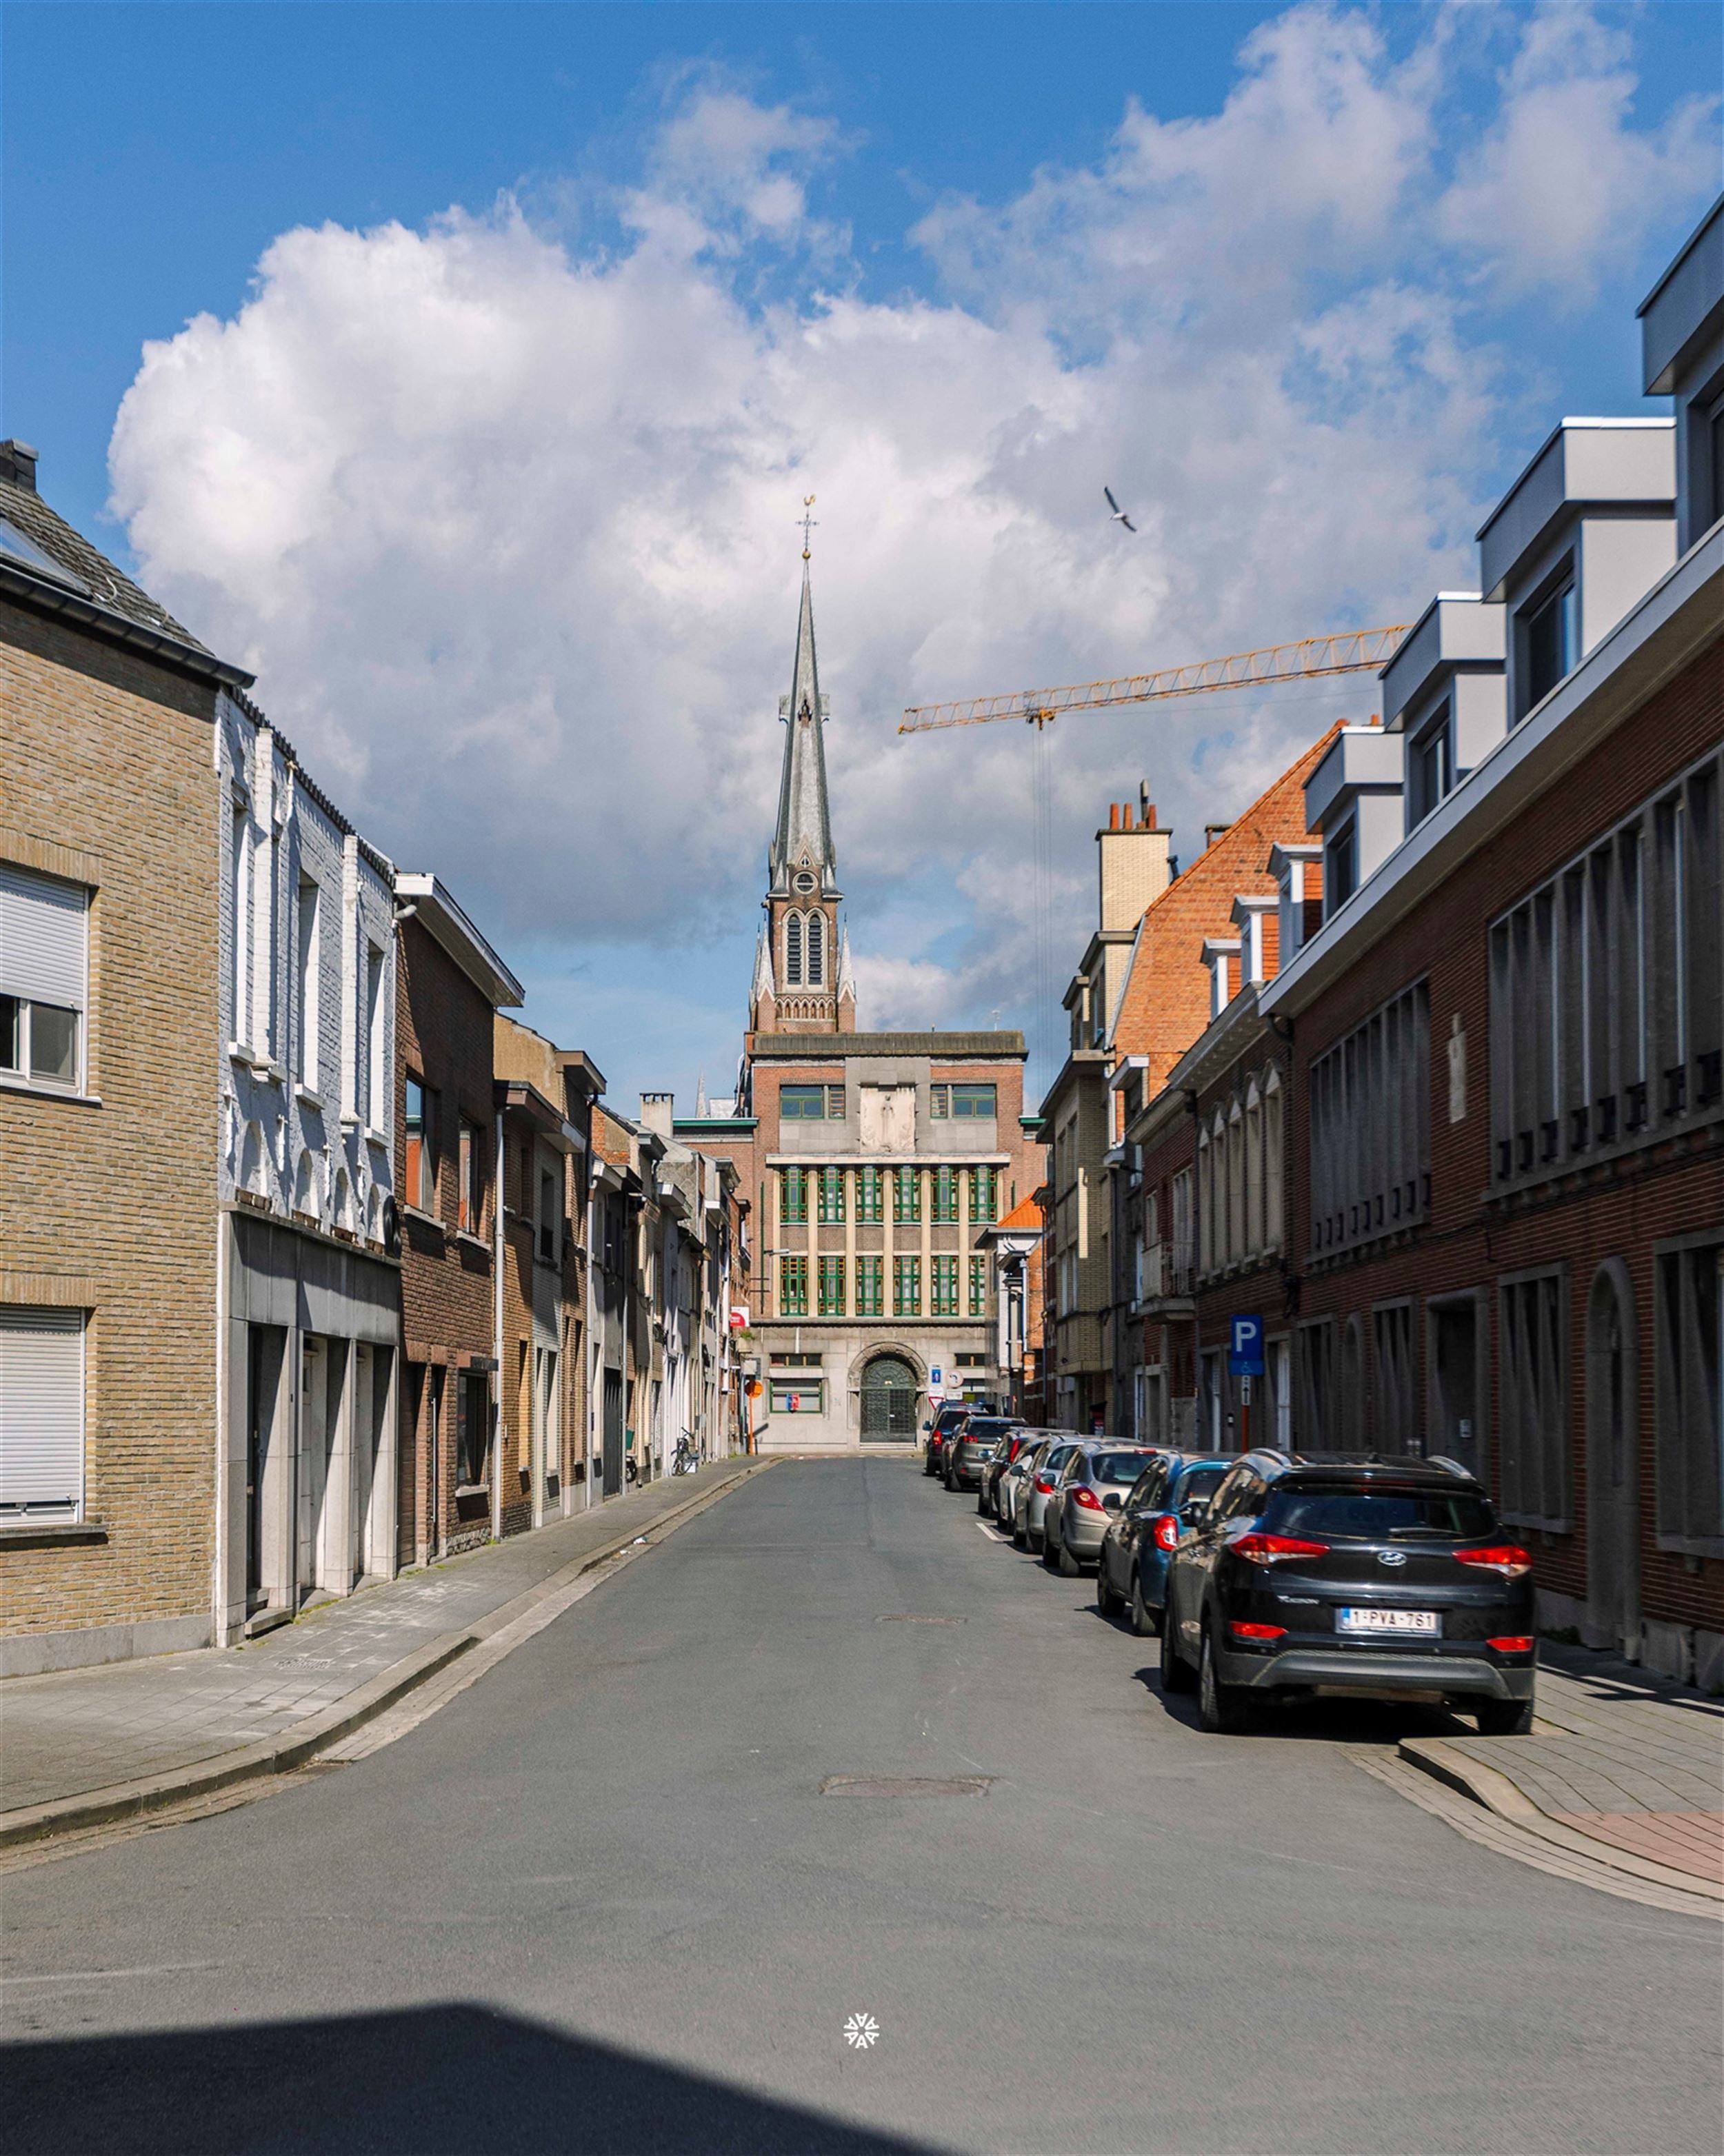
1008,1493
969,1453
1032,1499
1090,1490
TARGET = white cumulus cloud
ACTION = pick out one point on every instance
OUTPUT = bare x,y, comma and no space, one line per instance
504,523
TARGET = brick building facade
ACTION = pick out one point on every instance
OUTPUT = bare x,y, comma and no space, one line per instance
108,1016
450,984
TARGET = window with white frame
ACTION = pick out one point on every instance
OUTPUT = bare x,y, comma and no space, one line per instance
41,1414
374,1035
309,927
239,867
44,947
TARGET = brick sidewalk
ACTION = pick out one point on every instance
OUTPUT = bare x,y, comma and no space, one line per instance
1620,1760
74,1731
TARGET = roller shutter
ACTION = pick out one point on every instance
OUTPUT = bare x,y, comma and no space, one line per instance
43,938
41,1412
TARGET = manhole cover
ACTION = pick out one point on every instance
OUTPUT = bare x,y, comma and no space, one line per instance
906,1785
902,1620
303,1662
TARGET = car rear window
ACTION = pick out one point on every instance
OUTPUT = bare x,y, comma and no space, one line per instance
988,1426
1201,1482
1409,1515
1117,1467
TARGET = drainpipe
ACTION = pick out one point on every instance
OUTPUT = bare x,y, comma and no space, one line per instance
496,1407
1197,1115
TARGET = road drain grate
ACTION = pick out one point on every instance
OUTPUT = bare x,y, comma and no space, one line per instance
901,1619
906,1785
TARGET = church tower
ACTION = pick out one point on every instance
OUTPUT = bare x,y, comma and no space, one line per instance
802,978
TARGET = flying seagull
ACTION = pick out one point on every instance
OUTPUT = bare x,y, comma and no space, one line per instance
1119,516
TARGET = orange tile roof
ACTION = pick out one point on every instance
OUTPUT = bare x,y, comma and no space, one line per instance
1164,1004
1025,1214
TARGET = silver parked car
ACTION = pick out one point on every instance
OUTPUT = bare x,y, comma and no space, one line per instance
1039,1487
1091,1489
1008,1495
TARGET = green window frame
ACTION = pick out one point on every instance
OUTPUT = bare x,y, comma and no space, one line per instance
946,1194
793,1203
975,1100
870,1286
792,1287
984,1194
978,1287
907,1287
944,1302
832,1287
869,1207
906,1194
832,1197
805,1104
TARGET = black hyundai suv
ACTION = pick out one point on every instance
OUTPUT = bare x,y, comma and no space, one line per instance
1363,1574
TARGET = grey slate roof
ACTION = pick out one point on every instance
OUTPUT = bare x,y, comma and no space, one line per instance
84,585
804,834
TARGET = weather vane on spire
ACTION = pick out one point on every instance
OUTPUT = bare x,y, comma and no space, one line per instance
809,523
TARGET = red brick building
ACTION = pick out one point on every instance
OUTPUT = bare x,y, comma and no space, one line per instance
450,984
1507,1192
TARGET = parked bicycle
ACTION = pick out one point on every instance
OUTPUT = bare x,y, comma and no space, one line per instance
686,1459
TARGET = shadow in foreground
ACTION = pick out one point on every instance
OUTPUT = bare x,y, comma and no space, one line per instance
437,2080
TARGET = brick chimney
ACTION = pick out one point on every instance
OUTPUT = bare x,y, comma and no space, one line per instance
657,1111
18,464
1135,862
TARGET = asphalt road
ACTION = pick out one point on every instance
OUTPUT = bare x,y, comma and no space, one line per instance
599,1902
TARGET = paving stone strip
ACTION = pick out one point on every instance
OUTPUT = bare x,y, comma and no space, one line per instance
71,1738
1622,1772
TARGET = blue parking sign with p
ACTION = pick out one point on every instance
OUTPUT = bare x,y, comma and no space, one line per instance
1245,1353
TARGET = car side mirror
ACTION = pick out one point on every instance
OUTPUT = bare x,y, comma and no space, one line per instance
1113,1501
1197,1512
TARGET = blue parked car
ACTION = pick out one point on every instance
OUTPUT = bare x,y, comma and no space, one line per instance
1173,1492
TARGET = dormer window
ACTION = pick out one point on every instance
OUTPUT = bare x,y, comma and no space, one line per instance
1340,867
1550,635
1430,766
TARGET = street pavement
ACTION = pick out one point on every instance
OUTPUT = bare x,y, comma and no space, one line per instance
599,1902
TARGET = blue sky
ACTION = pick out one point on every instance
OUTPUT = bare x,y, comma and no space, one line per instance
501,505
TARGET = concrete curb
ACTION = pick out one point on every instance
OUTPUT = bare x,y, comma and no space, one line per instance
304,1740
1498,1793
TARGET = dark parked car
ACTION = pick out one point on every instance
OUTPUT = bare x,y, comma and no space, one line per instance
953,1416
1376,1575
1170,1495
971,1449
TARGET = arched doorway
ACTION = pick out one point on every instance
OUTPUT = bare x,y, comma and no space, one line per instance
889,1388
1613,1464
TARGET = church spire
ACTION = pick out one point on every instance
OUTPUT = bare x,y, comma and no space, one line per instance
802,840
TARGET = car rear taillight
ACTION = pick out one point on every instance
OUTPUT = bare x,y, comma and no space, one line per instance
1276,1550
1044,1486
1516,1644
1508,1559
1166,1531
1087,1498
1258,1631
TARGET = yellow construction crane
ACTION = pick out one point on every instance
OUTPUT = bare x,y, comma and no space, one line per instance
1353,651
